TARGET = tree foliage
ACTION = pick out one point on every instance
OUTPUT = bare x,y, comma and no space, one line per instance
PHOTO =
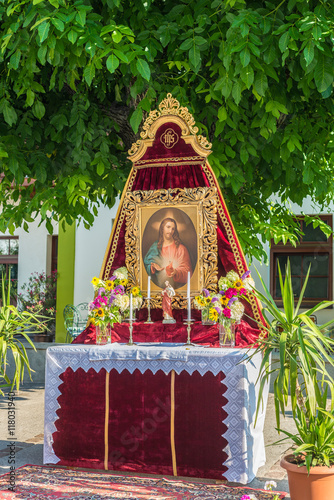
77,79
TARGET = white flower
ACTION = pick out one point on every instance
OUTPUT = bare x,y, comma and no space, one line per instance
269,485
249,283
224,283
121,273
122,302
233,276
237,310
137,302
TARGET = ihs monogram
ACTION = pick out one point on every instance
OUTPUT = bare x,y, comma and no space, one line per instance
169,138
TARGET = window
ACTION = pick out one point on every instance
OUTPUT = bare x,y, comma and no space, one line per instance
314,250
9,252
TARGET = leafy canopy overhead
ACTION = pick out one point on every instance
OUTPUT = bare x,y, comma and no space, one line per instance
77,79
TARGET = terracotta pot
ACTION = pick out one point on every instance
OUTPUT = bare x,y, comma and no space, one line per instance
319,485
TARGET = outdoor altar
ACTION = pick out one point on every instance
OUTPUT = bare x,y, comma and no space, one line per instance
164,396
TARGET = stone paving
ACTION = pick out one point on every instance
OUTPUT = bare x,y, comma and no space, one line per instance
29,422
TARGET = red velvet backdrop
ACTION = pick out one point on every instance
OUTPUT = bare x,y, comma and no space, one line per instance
139,422
194,172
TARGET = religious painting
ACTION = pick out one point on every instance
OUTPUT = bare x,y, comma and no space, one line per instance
169,246
171,236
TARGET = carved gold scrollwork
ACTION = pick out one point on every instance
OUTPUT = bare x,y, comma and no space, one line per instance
170,111
205,200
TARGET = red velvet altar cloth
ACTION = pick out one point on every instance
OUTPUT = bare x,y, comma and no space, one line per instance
139,422
159,332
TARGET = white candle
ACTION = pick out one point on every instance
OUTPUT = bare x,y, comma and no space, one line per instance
131,306
188,297
149,287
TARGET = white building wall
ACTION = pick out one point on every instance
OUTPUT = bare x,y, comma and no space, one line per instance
90,247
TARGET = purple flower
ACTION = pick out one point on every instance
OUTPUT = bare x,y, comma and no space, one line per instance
119,289
113,278
111,299
230,302
245,275
206,292
214,299
101,291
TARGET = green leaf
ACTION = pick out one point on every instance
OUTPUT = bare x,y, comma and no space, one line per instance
43,31
261,83
194,56
323,73
136,119
186,44
236,91
9,114
15,59
81,17
309,52
247,76
30,97
144,69
112,63
89,73
72,36
283,41
58,24
121,56
222,114
245,57
38,109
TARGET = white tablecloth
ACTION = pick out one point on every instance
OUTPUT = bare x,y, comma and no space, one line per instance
245,449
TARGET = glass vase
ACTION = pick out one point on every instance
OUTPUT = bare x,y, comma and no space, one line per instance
103,334
226,333
205,317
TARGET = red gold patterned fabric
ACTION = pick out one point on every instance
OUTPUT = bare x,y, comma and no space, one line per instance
55,483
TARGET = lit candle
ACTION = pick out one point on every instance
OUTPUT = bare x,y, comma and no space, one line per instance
149,287
131,306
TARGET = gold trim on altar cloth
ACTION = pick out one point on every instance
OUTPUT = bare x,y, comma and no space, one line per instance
106,422
170,111
172,421
195,214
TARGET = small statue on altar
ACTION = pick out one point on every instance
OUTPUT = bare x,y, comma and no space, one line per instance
167,294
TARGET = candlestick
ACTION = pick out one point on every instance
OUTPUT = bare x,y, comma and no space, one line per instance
149,321
188,322
149,287
131,342
188,285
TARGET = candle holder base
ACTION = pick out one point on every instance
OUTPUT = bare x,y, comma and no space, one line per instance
188,323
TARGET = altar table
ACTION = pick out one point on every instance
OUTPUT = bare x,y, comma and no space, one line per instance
160,409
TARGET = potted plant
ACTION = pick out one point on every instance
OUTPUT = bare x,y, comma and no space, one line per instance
300,371
13,325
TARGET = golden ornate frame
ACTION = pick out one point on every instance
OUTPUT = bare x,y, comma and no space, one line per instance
206,201
170,110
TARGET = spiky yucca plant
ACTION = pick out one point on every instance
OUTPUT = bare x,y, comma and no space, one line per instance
300,370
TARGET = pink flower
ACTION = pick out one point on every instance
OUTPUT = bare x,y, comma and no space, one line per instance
243,291
231,292
227,312
245,497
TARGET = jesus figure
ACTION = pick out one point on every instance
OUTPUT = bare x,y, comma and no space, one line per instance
168,258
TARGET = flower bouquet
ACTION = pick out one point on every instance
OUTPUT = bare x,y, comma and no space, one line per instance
229,308
225,306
